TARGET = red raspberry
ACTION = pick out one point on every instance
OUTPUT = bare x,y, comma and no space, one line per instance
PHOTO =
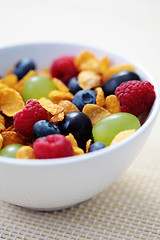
135,96
25,119
63,68
52,146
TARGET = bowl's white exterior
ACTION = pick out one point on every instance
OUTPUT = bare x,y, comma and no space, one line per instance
58,183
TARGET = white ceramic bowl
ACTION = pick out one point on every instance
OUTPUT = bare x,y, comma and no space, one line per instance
58,183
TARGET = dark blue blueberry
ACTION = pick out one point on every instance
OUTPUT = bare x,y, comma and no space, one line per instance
83,97
74,85
79,124
23,67
96,146
44,128
110,86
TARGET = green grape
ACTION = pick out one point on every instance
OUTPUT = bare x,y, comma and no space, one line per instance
107,128
10,150
37,87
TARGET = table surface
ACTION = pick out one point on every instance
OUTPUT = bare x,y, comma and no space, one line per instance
130,208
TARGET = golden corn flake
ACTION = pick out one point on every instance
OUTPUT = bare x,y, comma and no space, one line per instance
116,69
100,98
112,104
2,119
60,85
57,118
87,61
122,135
77,151
25,152
2,85
11,137
73,141
1,141
44,73
11,102
2,127
68,106
104,65
56,96
88,144
52,108
9,80
19,85
89,79
95,112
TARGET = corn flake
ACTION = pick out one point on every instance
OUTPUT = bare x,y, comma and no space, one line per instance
68,106
1,141
87,61
25,152
88,144
100,98
89,79
2,85
56,96
11,137
52,108
11,102
95,112
2,119
57,118
9,80
122,135
104,65
60,85
2,127
116,69
77,151
44,73
71,138
112,104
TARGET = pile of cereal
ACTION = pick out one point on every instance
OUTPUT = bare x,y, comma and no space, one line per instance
79,104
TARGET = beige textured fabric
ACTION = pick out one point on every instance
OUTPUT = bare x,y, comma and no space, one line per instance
129,209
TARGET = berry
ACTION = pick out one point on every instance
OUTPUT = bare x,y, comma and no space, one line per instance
135,97
23,67
74,85
110,86
83,97
96,146
25,119
37,87
44,128
10,150
52,146
79,124
63,68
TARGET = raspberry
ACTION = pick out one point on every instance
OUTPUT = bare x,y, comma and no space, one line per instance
63,68
135,96
25,119
52,146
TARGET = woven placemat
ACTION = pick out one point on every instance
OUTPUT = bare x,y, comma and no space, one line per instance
129,209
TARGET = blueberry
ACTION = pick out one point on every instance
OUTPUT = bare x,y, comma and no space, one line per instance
96,146
44,128
23,67
74,85
110,86
79,124
83,97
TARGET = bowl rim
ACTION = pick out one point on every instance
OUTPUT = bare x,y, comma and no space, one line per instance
89,156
